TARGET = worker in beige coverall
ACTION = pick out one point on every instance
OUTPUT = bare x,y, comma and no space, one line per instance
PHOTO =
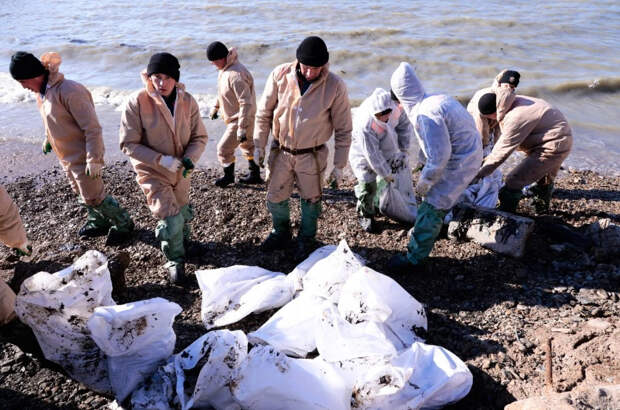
302,105
13,235
541,131
236,99
163,135
74,134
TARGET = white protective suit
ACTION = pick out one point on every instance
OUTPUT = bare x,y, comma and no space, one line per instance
447,135
375,144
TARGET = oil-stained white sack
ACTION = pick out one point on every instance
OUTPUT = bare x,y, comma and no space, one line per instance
137,337
397,199
297,274
371,296
215,356
230,294
292,329
484,192
422,376
329,274
57,306
270,380
158,391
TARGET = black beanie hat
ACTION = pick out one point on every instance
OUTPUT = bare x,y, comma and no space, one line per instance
216,51
313,52
487,104
25,66
510,77
164,63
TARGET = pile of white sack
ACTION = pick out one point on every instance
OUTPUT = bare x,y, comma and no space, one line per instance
360,328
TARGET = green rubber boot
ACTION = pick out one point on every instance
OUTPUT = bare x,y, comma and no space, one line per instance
509,199
187,211
426,230
169,231
280,236
96,223
306,243
542,197
366,194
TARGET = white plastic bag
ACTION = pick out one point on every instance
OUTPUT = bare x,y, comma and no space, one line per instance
158,391
297,274
205,368
422,376
371,296
484,192
270,380
137,337
230,294
57,306
329,274
397,199
292,329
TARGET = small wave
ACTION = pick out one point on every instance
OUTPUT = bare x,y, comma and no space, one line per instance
361,33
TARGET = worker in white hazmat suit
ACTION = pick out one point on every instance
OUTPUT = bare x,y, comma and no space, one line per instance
452,146
381,134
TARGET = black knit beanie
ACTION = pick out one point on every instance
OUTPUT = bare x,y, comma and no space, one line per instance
510,77
216,51
25,66
313,52
487,104
164,63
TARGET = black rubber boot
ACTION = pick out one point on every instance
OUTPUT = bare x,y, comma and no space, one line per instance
228,178
253,177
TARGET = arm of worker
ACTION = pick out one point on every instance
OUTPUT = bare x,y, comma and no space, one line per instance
247,104
404,130
131,135
198,136
264,113
343,125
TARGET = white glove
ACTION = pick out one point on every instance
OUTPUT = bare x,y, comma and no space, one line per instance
259,156
93,170
389,179
423,186
172,164
336,178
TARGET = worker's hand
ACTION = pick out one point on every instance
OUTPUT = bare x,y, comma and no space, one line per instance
46,147
93,170
242,137
24,249
188,165
423,186
213,114
259,156
172,164
389,179
336,178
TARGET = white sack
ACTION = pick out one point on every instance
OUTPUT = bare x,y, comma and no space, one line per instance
329,274
57,306
371,296
485,192
137,337
292,329
215,356
422,376
230,294
158,392
270,380
296,276
397,199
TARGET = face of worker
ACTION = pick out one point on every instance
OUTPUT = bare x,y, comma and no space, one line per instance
490,116
164,84
33,84
383,118
219,64
507,85
310,73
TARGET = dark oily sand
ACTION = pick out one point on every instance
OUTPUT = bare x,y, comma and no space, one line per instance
494,312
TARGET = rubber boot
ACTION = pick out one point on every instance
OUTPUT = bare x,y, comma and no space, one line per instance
366,193
119,218
509,199
306,243
253,176
425,231
228,178
542,197
280,236
169,231
96,224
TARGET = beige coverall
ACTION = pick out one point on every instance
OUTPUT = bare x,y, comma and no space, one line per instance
541,131
13,235
236,100
148,131
73,131
299,122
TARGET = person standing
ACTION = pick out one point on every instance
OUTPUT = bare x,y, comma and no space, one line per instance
236,99
538,129
302,105
162,133
74,134
452,146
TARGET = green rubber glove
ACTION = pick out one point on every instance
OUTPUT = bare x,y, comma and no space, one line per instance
188,165
47,147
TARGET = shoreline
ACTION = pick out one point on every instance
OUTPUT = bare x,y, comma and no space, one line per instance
492,311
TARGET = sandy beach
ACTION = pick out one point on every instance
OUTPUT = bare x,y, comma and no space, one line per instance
494,312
